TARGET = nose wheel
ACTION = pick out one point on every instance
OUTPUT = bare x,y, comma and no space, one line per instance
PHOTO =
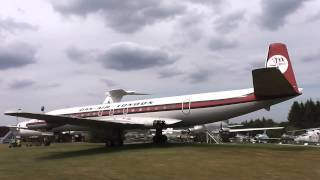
159,138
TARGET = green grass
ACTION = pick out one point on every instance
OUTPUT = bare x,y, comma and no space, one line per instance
172,161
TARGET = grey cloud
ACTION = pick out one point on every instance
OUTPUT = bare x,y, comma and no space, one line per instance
16,56
48,86
109,82
130,56
80,56
12,25
213,3
189,27
217,44
275,12
228,23
314,18
201,75
21,84
256,64
125,16
169,73
311,57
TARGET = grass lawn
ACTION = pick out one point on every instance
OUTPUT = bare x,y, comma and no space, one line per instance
148,161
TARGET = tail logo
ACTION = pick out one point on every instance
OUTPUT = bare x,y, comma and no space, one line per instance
279,62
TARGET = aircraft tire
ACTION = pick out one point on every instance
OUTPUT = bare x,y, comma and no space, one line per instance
159,139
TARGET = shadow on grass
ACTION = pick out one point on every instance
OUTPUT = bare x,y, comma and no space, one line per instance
105,150
130,147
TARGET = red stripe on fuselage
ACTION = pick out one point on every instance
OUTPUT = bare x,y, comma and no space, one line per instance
166,107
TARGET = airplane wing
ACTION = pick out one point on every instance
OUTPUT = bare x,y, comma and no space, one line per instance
254,129
310,129
94,121
235,125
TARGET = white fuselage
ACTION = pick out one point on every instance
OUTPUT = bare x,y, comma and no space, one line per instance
191,109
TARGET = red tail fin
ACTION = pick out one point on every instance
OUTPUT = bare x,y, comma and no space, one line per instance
277,80
278,57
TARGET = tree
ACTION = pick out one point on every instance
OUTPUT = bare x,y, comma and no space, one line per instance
295,114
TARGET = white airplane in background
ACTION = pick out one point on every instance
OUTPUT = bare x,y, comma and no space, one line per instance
23,131
223,126
224,130
271,85
311,136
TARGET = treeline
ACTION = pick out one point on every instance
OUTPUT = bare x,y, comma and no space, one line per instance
305,115
260,123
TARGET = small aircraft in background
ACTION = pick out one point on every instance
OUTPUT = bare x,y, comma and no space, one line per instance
271,85
311,136
21,131
226,132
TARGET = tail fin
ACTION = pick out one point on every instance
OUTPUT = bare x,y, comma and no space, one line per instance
277,79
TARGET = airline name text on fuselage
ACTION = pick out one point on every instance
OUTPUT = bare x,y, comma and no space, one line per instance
124,105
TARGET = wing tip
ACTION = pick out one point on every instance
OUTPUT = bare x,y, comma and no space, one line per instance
11,113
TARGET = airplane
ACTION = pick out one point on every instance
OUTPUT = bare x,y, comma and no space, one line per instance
22,131
264,138
225,130
272,84
311,136
223,126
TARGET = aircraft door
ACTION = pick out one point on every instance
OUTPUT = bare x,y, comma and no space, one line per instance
100,113
125,111
111,113
186,107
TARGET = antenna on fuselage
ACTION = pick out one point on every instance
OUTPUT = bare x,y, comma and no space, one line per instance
116,95
42,109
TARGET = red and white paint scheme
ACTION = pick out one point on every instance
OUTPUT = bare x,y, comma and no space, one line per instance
273,84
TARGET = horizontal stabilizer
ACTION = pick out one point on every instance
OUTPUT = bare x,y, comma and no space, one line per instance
271,83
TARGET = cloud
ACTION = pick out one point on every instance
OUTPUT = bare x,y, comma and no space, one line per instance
12,25
169,73
212,4
275,12
313,18
127,16
48,85
108,82
21,84
16,56
79,55
313,57
190,27
201,75
129,56
217,44
228,23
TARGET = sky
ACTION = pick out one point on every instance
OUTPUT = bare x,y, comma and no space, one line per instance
62,54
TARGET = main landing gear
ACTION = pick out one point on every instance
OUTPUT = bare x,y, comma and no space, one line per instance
114,138
159,138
